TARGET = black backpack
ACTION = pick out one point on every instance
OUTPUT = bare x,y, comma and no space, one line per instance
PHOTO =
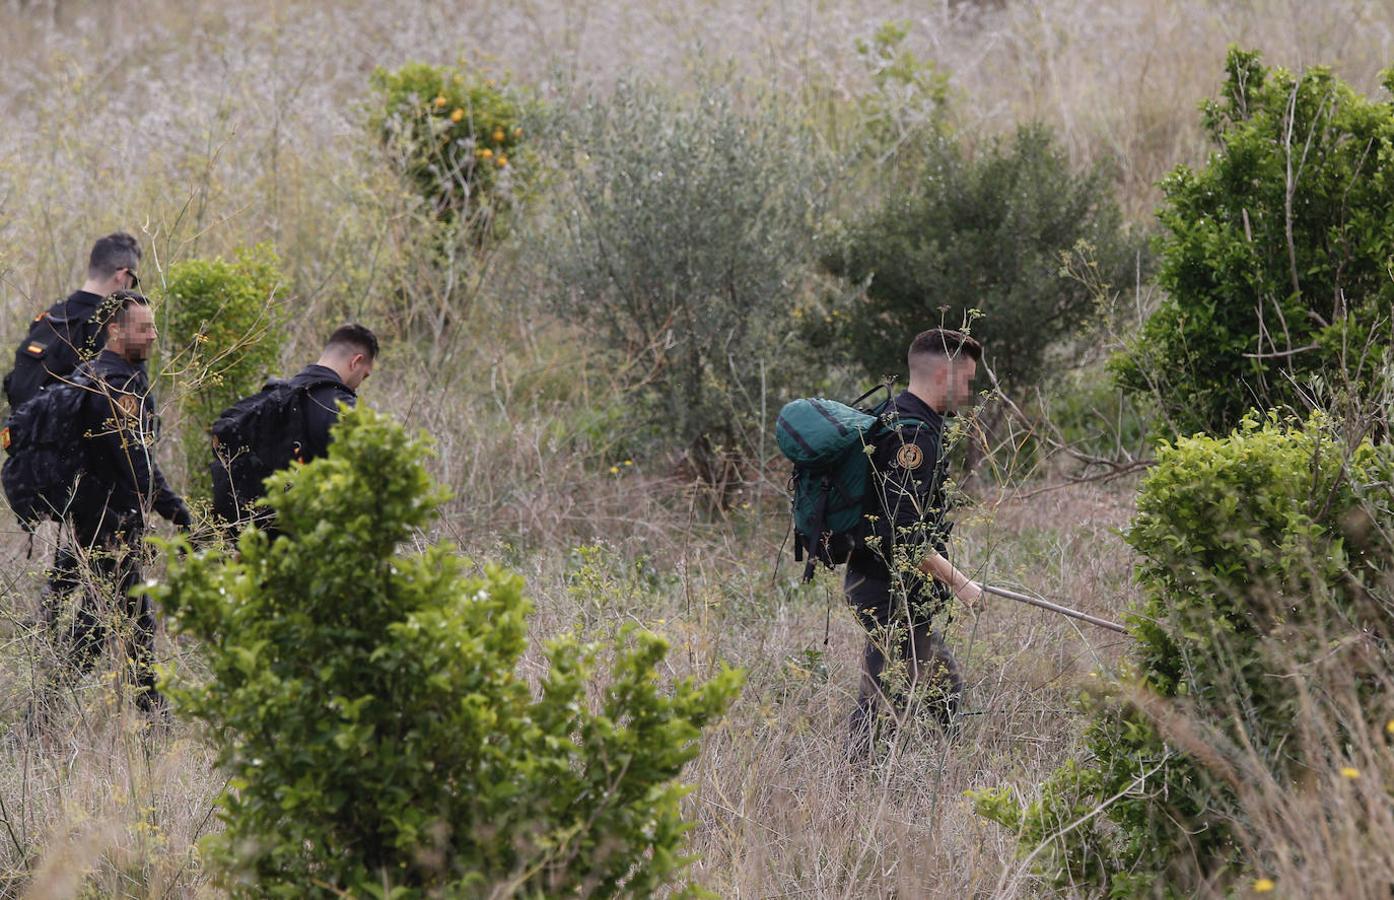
59,340
45,451
252,439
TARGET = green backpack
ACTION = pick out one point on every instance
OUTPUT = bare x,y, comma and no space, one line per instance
830,445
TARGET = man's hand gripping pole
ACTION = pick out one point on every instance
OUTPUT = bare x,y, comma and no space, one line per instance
971,592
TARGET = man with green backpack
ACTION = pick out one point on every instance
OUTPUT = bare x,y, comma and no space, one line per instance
869,492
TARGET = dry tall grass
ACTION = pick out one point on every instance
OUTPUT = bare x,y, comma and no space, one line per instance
206,128
777,810
211,124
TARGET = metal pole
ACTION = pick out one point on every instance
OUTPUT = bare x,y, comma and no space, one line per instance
1055,607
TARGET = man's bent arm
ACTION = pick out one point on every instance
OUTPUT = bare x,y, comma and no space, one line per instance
964,588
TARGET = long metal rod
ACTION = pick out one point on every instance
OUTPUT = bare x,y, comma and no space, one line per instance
1055,607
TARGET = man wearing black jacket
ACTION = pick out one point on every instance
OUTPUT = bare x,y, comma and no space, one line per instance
120,484
285,423
73,330
347,360
899,579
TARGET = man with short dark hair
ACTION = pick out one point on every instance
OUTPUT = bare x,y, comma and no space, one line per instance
898,578
345,363
120,484
287,421
72,330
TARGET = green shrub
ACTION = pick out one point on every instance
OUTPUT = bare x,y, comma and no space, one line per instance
1275,255
681,235
222,321
1260,552
456,135
379,737
903,114
984,234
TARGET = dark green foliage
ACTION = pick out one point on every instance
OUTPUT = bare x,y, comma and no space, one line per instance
988,234
1258,557
456,135
681,235
1276,253
379,738
223,322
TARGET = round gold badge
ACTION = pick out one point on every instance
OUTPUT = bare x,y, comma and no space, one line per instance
909,457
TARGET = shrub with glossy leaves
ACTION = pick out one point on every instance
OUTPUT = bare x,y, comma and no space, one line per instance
222,320
367,705
1275,255
1263,560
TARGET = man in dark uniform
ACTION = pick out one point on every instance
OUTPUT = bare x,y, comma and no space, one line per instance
119,485
347,360
286,422
73,330
899,579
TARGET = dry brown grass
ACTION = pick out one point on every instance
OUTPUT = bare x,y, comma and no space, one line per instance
780,813
208,128
98,803
217,124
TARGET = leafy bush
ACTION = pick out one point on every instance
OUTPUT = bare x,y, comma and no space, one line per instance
983,234
222,320
681,238
456,135
1275,256
380,740
1260,553
902,115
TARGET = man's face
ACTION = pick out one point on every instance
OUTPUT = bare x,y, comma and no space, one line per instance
359,368
136,338
958,377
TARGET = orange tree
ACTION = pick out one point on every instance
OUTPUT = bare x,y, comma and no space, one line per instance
456,135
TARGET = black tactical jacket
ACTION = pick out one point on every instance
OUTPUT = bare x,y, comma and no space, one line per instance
122,480
321,407
908,494
59,339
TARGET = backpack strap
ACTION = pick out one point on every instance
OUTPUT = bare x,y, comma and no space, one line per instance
305,390
820,526
883,386
317,383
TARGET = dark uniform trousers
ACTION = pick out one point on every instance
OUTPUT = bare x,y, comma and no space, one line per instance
899,630
897,609
88,598
87,594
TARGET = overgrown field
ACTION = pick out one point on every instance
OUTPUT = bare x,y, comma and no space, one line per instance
682,209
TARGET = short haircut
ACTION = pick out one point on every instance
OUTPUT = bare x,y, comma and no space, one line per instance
115,251
353,337
121,303
945,343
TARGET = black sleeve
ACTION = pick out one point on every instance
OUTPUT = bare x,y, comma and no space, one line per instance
123,441
321,413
